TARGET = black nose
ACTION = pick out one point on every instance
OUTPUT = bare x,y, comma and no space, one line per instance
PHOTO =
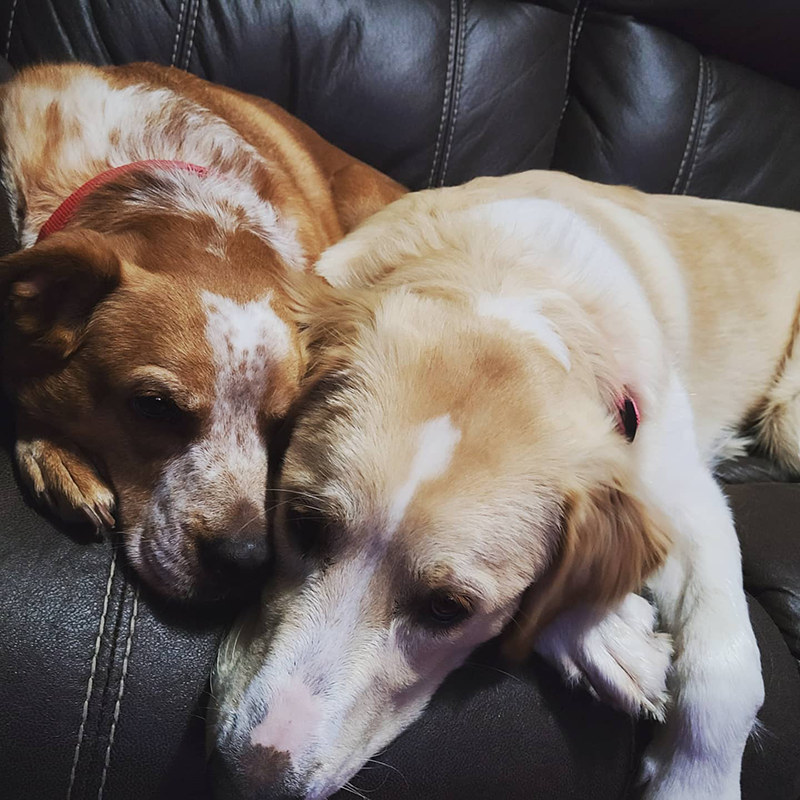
241,550
238,554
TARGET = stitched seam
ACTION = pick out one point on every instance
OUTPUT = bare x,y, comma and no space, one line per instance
120,693
92,671
177,34
575,28
191,35
703,130
698,104
10,28
459,82
447,88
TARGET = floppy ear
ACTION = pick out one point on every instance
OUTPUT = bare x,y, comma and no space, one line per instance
51,289
376,247
610,544
359,191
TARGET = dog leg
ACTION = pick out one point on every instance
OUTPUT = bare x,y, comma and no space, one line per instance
778,430
619,656
715,684
61,478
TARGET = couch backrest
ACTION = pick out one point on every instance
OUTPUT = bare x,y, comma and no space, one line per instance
699,96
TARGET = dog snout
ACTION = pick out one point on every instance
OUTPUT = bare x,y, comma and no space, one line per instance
254,773
240,550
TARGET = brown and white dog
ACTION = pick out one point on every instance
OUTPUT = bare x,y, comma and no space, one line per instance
517,422
150,339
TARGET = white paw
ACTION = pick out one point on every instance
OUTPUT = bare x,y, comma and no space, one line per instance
61,478
620,656
673,776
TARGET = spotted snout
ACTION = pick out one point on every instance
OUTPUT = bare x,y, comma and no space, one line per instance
202,556
268,761
255,773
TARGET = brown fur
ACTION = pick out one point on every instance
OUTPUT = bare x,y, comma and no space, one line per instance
120,288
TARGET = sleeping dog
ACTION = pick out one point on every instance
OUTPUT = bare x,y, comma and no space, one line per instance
510,426
150,333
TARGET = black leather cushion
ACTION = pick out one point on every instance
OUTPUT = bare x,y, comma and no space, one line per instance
759,35
768,519
92,672
649,110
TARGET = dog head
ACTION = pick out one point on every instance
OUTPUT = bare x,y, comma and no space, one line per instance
445,479
167,363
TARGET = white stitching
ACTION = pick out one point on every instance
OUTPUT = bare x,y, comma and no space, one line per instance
572,46
10,28
177,34
703,130
459,82
447,88
120,693
90,684
191,35
698,102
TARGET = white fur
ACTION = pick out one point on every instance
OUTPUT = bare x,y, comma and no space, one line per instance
525,314
716,678
716,682
587,267
436,441
701,598
229,464
114,126
246,342
307,658
550,228
231,203
619,656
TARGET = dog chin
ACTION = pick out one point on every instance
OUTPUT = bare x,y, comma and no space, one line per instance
158,569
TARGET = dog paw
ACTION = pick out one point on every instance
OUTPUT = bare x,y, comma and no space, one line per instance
669,775
620,657
63,480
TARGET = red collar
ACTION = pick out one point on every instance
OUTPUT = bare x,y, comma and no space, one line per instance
64,213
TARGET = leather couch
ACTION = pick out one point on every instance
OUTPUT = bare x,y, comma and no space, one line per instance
102,686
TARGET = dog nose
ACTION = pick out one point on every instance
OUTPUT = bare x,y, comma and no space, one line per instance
255,773
242,549
239,554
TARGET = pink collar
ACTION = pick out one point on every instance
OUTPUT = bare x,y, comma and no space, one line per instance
64,213
629,416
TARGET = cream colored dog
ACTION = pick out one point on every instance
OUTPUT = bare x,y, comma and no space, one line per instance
518,421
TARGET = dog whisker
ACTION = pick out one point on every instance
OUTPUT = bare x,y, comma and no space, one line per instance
389,766
477,665
348,787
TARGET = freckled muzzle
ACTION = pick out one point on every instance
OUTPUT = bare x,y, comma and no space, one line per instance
254,772
195,559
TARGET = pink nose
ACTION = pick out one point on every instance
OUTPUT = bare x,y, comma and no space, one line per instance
293,718
254,773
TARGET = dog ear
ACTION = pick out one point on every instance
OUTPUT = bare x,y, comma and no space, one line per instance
51,289
610,543
384,240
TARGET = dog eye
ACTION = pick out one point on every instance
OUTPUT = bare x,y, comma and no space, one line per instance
305,527
445,609
154,406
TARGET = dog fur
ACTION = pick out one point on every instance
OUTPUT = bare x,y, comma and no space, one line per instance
165,283
457,446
